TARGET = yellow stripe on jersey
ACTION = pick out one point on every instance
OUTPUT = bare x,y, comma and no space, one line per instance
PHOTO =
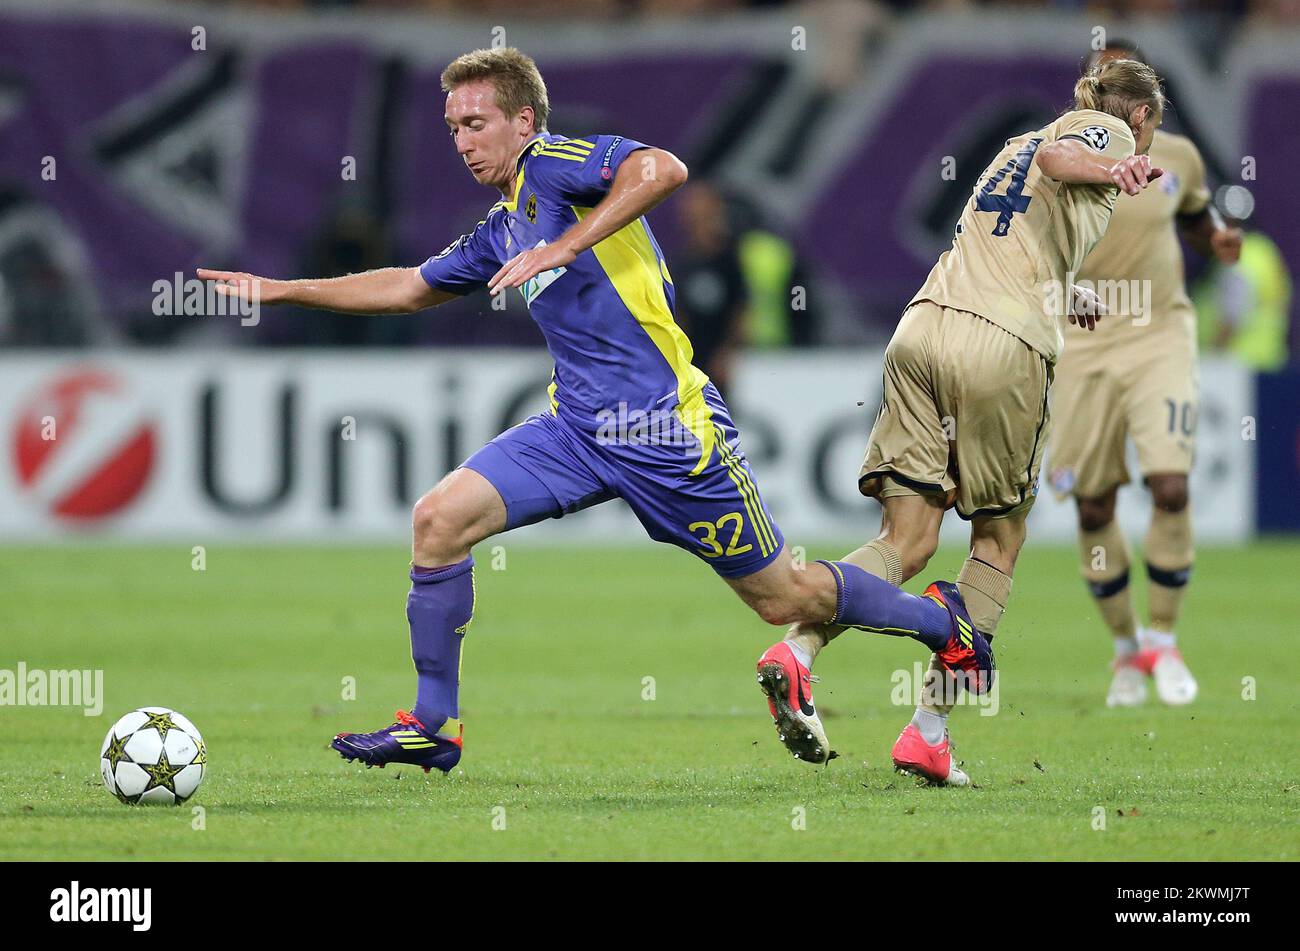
513,203
550,393
635,270
568,146
563,155
693,411
590,145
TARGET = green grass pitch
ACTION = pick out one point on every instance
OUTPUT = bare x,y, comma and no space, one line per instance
563,749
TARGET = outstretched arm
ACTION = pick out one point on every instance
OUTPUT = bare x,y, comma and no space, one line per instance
390,290
1073,162
638,186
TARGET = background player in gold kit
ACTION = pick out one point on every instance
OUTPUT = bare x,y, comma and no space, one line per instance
963,418
1136,377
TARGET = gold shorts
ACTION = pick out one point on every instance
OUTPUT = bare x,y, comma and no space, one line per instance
1100,402
964,415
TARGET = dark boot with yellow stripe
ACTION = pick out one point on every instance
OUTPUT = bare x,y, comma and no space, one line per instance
968,653
407,741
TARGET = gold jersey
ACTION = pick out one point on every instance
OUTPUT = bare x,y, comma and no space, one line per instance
1137,268
1022,235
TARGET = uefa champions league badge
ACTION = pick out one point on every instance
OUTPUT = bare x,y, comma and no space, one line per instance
1097,136
1169,182
1062,480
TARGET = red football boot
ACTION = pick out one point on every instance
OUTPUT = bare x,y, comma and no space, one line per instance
933,763
788,686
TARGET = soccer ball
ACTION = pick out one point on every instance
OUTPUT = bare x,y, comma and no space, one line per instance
153,755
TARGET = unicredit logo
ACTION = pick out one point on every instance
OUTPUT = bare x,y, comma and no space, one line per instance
83,446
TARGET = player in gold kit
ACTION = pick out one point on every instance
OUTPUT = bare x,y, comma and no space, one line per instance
1136,377
964,416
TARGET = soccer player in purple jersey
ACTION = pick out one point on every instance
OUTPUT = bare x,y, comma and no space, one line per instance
568,232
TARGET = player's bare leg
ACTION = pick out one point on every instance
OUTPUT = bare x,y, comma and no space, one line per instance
785,592
454,516
908,539
832,592
984,582
460,511
1104,563
862,600
909,535
1169,554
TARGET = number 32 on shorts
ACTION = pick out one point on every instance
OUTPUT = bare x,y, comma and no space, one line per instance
710,530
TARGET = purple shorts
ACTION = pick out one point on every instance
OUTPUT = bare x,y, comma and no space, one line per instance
547,468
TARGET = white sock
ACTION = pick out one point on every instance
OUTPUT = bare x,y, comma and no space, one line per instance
1125,646
1157,640
801,655
931,725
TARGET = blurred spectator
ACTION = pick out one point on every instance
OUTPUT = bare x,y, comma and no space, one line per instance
781,299
38,306
711,294
354,240
47,296
1244,309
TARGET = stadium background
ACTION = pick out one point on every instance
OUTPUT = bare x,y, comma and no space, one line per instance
835,141
140,140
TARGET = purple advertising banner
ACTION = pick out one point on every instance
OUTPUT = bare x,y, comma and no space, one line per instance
135,155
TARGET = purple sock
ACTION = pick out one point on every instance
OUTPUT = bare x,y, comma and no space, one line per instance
439,607
873,604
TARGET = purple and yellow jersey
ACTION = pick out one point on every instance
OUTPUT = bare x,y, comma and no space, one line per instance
608,317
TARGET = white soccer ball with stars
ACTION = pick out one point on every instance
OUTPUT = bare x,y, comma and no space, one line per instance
153,755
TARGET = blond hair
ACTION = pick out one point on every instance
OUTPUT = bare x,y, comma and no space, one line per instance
1118,87
513,75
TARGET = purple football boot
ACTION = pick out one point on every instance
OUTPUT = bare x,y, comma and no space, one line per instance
968,655
407,741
